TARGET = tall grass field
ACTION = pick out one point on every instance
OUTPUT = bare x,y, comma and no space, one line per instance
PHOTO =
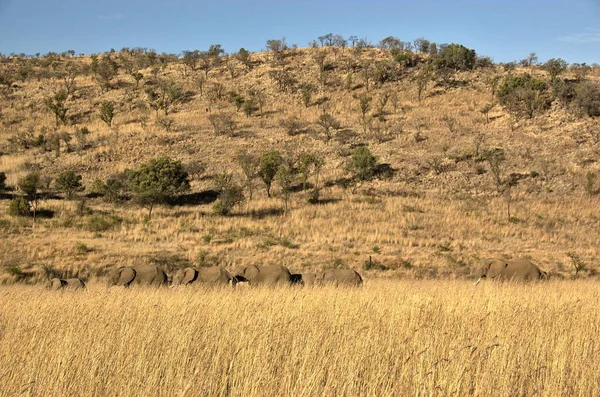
388,338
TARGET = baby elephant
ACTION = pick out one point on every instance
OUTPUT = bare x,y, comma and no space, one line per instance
203,275
69,283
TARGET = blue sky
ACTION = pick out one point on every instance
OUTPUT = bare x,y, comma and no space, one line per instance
505,30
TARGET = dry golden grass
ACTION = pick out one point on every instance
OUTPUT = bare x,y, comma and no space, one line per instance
400,338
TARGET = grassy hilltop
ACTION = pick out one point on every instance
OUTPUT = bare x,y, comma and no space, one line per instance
474,160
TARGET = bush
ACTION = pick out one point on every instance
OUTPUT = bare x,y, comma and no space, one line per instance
158,181
231,195
2,181
523,95
587,98
269,164
111,190
455,56
222,123
18,207
293,126
100,223
363,163
555,67
68,182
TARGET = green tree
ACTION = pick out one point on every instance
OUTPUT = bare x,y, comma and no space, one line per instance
244,57
190,59
269,164
250,165
230,194
56,104
364,102
32,186
164,95
137,76
363,163
229,197
68,182
107,112
328,123
277,46
455,56
523,95
555,67
310,164
285,178
18,207
587,98
157,181
106,70
111,190
422,80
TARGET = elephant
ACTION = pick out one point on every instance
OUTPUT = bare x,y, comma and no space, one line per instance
204,275
264,274
517,270
339,277
69,283
139,274
304,278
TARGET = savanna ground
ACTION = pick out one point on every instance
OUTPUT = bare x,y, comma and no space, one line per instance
417,327
420,337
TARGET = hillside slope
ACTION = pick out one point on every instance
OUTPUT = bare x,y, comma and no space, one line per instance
440,209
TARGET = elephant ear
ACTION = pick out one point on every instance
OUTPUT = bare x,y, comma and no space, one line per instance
250,272
496,267
189,276
127,275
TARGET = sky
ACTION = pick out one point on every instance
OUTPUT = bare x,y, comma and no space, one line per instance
505,30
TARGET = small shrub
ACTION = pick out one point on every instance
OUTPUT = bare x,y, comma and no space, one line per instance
371,264
284,242
81,248
578,264
363,163
100,223
222,123
293,126
166,123
68,182
13,270
18,207
230,196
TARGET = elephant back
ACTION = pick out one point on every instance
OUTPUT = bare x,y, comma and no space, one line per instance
347,277
74,283
149,275
213,275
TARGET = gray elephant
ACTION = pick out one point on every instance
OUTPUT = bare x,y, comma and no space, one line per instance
339,277
139,274
264,275
69,283
304,278
214,275
500,269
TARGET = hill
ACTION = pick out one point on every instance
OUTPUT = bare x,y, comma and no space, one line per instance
474,160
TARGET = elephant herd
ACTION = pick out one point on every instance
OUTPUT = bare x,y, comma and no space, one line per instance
252,275
126,276
495,269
